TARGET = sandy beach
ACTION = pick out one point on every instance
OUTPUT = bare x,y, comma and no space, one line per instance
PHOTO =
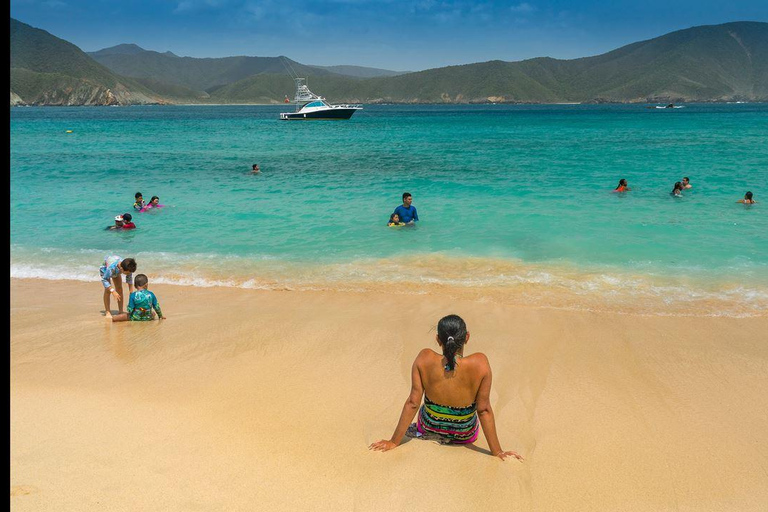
268,400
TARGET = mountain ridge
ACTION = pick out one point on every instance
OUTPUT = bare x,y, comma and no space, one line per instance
726,62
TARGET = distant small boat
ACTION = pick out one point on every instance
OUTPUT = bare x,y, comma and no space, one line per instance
311,106
671,105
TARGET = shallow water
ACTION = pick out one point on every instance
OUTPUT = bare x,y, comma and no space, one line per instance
514,199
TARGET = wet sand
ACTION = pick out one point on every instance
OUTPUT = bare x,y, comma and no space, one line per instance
267,400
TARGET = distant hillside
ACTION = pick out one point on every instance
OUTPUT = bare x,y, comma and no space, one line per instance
193,73
710,63
46,70
360,71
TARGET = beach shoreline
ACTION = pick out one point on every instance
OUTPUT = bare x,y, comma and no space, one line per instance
261,399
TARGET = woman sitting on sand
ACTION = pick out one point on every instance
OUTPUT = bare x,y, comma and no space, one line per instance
448,382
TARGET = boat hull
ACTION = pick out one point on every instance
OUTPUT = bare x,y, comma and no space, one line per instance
331,113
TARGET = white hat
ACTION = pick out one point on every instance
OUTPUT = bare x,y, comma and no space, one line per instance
119,218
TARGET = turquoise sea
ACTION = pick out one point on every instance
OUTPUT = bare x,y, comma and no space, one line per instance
515,202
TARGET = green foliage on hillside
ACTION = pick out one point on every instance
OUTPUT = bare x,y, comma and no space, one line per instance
708,63
711,63
50,71
197,74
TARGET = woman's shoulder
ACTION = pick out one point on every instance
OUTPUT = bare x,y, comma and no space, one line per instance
478,360
427,354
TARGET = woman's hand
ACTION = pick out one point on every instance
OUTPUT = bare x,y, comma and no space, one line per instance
504,455
382,446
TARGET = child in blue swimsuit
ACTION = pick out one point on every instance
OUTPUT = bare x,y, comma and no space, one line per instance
141,304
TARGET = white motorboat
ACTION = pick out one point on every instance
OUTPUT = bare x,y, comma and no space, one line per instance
311,106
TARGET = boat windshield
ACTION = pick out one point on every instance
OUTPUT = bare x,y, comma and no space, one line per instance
315,104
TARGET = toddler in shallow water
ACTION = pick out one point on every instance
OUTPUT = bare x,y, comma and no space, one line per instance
140,304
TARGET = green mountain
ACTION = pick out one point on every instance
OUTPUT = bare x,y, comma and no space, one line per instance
361,71
46,70
193,73
709,63
208,74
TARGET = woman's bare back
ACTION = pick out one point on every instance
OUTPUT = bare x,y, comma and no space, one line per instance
457,388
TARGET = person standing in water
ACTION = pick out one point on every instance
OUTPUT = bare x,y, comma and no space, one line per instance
686,183
456,389
406,211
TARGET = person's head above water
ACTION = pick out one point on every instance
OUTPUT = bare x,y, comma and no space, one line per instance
255,168
138,196
407,199
622,183
452,334
154,200
748,196
395,218
678,186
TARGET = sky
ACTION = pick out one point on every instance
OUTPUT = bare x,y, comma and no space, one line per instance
389,34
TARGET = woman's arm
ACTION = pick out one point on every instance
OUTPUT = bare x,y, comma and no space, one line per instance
487,420
406,416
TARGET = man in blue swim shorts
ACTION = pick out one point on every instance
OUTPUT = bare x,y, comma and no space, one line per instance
407,211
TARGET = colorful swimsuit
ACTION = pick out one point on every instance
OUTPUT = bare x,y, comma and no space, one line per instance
110,270
140,306
456,424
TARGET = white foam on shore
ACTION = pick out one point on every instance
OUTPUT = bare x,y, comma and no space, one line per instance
495,279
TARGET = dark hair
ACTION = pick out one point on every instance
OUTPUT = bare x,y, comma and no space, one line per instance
127,217
622,182
153,198
452,333
392,217
128,264
686,178
678,186
138,195
406,194
140,280
748,195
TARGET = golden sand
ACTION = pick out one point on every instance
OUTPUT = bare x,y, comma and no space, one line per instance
267,400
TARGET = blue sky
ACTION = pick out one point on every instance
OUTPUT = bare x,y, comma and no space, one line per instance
391,34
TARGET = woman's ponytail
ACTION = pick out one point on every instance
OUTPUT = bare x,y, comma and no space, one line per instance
452,333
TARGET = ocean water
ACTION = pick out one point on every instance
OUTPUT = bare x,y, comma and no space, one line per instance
515,202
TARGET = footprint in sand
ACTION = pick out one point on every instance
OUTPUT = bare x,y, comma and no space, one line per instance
23,490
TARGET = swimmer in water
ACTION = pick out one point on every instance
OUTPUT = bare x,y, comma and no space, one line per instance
747,199
394,220
255,169
127,224
622,186
153,203
117,225
139,205
678,190
686,183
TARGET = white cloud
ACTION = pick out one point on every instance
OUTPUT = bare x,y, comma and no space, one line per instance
522,8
